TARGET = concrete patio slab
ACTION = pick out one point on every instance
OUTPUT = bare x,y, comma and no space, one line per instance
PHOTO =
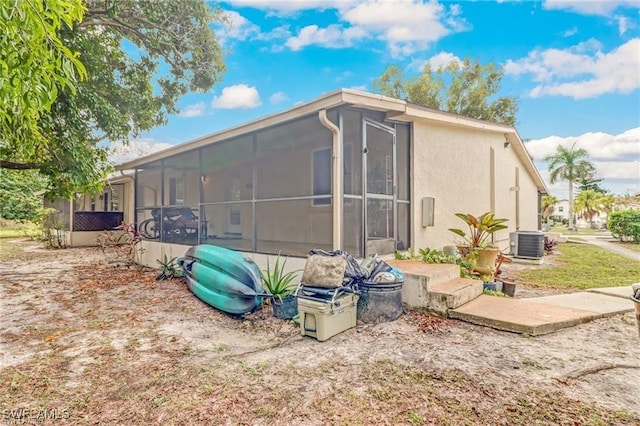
624,292
599,304
520,315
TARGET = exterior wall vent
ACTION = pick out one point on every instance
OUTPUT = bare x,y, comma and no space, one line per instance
527,244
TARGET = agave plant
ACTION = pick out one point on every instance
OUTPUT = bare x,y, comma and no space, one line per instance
276,281
480,228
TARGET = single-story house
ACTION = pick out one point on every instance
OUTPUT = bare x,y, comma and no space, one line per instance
350,170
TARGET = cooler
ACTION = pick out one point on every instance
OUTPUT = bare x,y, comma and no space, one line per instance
324,317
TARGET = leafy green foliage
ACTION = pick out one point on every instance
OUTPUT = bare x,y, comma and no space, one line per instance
21,194
428,255
35,65
140,58
548,206
276,281
169,269
588,204
52,229
467,88
479,228
625,225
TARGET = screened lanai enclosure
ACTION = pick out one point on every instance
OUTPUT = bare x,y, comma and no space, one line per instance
270,190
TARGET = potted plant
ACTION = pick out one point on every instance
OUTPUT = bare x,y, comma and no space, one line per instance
278,285
477,244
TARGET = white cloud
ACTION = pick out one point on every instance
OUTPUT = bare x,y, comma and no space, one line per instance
239,96
406,26
278,33
194,110
288,7
570,32
442,59
615,157
361,87
625,24
119,153
590,7
333,36
582,71
343,76
237,27
278,98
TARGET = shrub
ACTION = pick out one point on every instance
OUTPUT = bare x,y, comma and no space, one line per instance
625,225
549,245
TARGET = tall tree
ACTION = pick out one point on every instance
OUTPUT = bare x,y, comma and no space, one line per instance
34,65
588,204
21,194
140,58
570,164
465,87
548,206
592,183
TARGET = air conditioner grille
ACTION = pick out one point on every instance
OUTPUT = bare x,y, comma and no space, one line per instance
528,244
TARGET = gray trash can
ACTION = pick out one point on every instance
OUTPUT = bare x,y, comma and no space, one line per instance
379,302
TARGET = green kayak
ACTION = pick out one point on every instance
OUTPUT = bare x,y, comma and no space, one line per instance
223,278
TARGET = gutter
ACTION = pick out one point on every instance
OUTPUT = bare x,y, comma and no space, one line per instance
337,178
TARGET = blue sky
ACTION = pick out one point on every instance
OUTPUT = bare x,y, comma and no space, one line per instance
575,67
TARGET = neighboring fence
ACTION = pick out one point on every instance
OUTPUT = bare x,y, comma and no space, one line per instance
96,221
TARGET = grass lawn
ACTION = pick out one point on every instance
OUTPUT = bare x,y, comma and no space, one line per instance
630,246
578,231
10,229
583,266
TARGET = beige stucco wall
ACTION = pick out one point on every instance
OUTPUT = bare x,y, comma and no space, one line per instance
153,251
454,166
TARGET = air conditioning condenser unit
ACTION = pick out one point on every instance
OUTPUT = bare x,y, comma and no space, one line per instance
527,244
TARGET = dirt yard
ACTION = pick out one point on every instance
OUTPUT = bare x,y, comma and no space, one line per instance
84,342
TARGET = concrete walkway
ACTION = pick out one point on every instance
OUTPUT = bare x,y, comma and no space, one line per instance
606,242
541,315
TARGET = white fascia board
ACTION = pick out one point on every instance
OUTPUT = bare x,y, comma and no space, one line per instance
330,100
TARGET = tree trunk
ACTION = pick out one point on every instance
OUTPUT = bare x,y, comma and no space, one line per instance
570,223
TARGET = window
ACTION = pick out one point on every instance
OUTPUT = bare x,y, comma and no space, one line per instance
322,175
560,209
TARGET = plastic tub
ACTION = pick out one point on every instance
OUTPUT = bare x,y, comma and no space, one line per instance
379,302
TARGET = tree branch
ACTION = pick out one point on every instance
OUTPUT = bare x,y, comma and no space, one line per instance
18,166
575,374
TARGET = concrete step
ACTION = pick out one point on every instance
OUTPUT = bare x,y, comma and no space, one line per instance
420,278
452,294
520,315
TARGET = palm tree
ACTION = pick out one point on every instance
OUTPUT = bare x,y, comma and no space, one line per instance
548,206
607,204
569,164
589,204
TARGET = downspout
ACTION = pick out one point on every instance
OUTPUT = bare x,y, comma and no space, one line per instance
337,179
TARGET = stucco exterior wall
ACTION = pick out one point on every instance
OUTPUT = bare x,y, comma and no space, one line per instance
153,251
467,171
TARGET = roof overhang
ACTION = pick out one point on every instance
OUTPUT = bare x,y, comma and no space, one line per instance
330,100
396,109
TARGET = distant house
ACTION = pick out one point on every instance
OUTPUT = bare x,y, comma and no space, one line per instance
350,170
561,211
